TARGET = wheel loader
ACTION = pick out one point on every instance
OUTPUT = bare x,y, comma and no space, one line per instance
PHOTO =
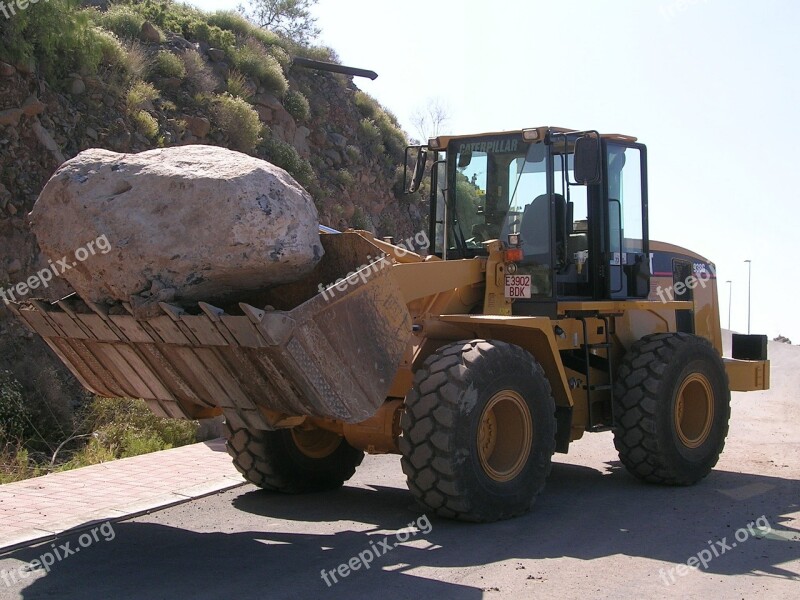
540,311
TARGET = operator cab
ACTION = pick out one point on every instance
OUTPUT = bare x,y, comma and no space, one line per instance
574,205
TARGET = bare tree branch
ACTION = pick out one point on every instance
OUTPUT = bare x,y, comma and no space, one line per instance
430,120
289,18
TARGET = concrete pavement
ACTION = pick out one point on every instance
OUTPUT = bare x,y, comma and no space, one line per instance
42,508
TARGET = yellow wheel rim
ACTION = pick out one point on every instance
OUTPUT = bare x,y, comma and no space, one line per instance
505,435
694,410
316,443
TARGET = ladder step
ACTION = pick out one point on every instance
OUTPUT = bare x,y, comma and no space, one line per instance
599,428
602,345
598,388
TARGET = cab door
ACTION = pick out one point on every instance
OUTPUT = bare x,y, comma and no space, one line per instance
626,272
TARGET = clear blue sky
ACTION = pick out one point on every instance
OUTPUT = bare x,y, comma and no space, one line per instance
711,86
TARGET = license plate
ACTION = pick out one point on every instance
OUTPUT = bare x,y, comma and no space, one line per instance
518,286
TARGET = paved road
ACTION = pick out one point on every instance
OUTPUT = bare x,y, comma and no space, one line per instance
594,532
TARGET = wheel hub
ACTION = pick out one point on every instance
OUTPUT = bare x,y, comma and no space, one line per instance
694,410
505,435
316,443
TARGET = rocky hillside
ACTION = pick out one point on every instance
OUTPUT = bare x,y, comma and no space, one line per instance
150,74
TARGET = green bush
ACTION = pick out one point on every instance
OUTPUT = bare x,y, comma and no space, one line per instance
232,21
236,23
134,444
377,118
390,116
387,224
203,100
14,415
199,76
370,134
322,53
286,157
212,35
126,427
111,49
140,95
15,464
360,220
237,85
122,20
114,427
281,55
145,123
366,104
296,104
55,35
125,61
167,14
393,137
138,98
253,59
136,61
344,178
92,453
166,64
239,121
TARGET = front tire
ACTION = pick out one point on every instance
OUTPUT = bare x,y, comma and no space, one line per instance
671,408
478,431
292,461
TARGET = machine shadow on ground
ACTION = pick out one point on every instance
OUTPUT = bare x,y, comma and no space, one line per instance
583,513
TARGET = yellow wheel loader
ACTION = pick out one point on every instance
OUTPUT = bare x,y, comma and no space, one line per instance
540,310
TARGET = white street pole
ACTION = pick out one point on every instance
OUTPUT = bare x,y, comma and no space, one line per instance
749,271
730,296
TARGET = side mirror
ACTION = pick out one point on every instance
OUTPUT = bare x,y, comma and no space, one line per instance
588,157
419,171
464,159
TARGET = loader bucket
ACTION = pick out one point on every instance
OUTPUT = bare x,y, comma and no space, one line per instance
316,350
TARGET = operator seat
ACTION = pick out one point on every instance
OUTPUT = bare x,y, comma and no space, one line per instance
535,229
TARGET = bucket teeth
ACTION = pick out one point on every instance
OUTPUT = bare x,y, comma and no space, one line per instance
253,313
39,305
277,327
99,310
173,312
212,312
66,308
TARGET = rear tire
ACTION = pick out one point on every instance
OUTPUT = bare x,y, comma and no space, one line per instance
671,408
478,431
292,461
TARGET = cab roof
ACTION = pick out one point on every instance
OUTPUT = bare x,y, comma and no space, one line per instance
531,134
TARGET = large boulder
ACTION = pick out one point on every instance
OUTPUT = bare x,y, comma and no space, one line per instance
185,223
